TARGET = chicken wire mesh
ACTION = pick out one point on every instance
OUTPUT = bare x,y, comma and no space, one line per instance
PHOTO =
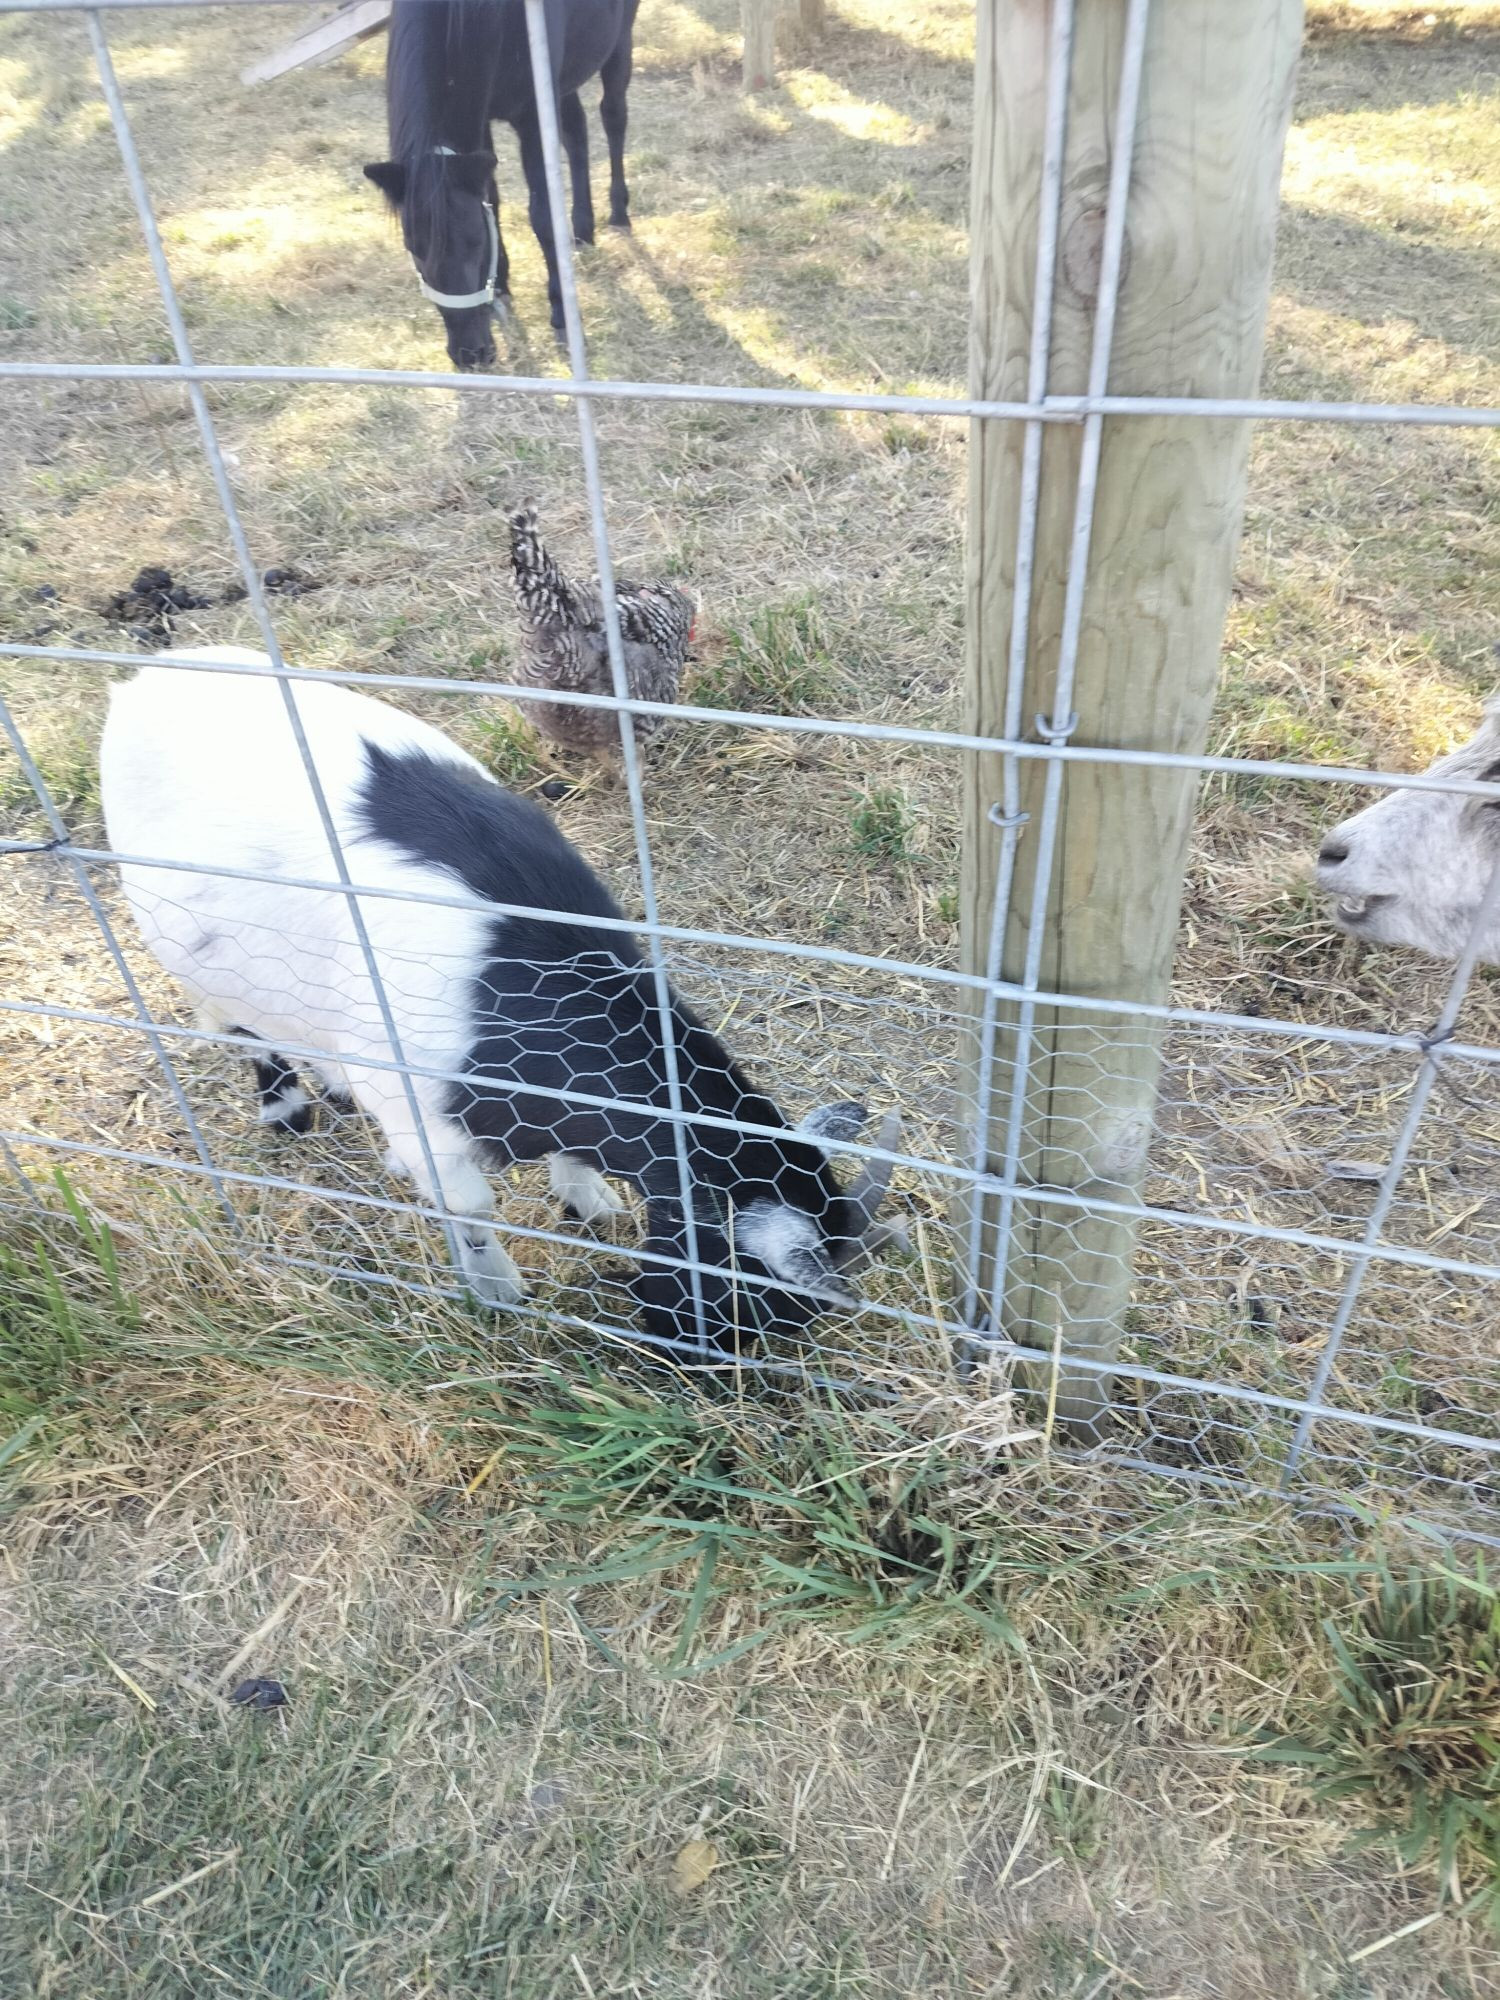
1314,1290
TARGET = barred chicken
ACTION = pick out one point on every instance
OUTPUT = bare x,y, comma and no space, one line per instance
564,645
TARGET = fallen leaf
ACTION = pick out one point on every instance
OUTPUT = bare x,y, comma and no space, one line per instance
693,1866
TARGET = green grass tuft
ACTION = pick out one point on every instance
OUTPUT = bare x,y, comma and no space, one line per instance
58,1327
884,826
803,1514
69,767
779,661
1408,1734
506,746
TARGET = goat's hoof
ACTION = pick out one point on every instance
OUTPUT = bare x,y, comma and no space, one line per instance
497,1294
491,1276
601,1218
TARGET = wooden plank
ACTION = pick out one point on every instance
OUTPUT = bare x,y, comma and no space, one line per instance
1215,103
354,22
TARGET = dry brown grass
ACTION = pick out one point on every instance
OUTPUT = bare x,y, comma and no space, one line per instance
1365,608
816,236
498,1740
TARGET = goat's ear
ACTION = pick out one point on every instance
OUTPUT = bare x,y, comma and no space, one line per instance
472,171
835,1121
390,177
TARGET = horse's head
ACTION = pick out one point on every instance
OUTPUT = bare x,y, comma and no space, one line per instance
446,202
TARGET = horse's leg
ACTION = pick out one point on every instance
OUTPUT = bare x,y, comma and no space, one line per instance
575,138
613,113
535,169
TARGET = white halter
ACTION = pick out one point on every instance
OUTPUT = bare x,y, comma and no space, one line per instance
486,295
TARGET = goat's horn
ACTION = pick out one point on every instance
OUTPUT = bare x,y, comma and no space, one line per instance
867,1189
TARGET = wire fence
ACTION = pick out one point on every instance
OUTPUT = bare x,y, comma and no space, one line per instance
1303,1318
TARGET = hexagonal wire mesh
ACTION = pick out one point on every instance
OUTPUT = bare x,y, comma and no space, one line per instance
1318,1244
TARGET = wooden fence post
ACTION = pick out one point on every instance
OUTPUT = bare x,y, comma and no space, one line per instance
1215,102
759,20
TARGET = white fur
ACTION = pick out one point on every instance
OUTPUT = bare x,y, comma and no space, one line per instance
582,1188
787,1241
1412,869
205,768
290,1099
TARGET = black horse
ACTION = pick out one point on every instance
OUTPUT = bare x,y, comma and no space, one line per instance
451,67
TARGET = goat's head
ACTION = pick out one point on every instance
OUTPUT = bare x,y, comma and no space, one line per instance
778,1239
1412,869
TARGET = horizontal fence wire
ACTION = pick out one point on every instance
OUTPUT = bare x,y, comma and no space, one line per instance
1023,748
909,969
816,1371
960,1176
1050,410
1288,1427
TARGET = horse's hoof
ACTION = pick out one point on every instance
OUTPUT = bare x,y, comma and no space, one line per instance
582,241
620,222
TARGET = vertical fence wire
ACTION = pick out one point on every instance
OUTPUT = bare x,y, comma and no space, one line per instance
1007,816
1485,918
23,1181
1311,1407
29,1195
106,929
1056,730
259,605
588,444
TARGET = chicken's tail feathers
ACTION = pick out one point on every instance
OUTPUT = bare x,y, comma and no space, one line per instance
540,586
526,549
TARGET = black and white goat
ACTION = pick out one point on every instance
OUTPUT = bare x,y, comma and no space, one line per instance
203,767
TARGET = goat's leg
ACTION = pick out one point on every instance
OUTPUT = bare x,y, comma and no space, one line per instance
614,116
583,1191
284,1105
335,1084
575,137
466,1193
534,167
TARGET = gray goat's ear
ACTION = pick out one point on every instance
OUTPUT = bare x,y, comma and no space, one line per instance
835,1121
